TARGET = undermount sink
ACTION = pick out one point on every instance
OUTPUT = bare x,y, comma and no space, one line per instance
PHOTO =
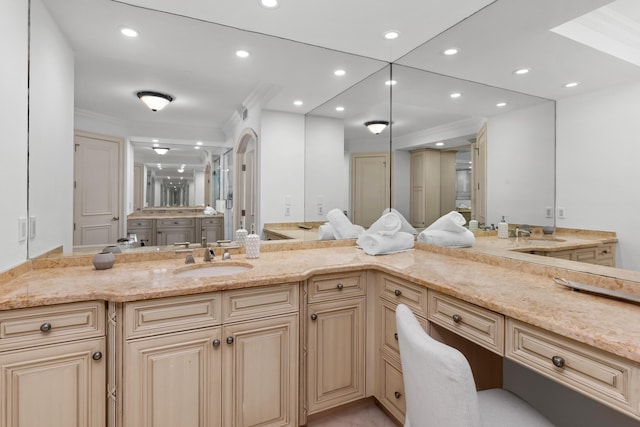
212,270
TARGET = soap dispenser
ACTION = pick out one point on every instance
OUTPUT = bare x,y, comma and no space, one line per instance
473,225
503,229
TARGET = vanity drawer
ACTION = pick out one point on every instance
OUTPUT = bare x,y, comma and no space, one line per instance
392,389
161,316
51,324
244,304
479,325
402,292
333,286
139,223
606,254
601,376
176,222
210,222
389,330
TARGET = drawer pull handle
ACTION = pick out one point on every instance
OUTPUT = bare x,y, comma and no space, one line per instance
398,292
314,316
558,361
229,340
456,318
216,342
397,394
45,327
339,286
395,336
97,355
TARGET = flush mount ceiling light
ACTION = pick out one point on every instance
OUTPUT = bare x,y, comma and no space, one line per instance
450,51
522,71
572,84
339,108
242,53
160,150
129,32
501,104
339,72
156,101
268,4
298,103
455,95
391,34
376,126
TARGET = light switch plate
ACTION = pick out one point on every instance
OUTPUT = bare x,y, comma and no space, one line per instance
22,229
561,213
32,227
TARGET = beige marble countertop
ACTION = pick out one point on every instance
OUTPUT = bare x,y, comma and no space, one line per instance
563,239
521,290
163,215
292,231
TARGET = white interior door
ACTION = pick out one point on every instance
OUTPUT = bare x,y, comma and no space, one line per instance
370,187
479,172
97,192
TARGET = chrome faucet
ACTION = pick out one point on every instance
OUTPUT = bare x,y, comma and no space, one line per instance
522,233
208,252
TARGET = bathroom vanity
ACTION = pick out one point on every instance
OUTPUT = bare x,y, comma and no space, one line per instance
302,331
169,227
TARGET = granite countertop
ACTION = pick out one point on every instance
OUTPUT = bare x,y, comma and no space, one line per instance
521,290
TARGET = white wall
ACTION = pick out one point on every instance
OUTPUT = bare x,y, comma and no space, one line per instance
324,167
281,151
13,128
520,165
598,151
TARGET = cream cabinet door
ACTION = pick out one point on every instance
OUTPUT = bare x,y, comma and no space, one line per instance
260,373
60,385
336,358
173,380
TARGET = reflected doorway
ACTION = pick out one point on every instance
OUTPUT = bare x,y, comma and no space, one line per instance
370,187
245,169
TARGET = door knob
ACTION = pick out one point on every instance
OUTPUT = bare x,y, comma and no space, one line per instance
115,218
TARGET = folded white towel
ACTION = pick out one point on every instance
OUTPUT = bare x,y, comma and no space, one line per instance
209,211
453,221
387,225
343,228
326,232
448,239
377,244
406,227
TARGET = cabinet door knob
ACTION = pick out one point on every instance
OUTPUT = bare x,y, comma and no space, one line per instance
558,361
397,394
398,292
229,340
339,286
395,336
216,342
45,327
457,318
97,355
314,316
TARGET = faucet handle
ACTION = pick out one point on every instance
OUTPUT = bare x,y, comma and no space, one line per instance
226,254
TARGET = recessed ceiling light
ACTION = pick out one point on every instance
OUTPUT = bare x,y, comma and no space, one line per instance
390,82
199,143
572,84
501,104
129,32
268,4
242,54
154,140
391,34
156,145
196,148
439,144
339,108
450,51
522,71
339,72
297,103
455,95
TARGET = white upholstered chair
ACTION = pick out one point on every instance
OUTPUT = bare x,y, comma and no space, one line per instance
440,390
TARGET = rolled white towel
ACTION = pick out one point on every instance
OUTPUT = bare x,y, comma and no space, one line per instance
209,211
405,226
447,239
326,232
343,228
453,221
377,244
387,225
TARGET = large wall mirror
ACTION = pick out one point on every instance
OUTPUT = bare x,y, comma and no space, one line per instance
543,145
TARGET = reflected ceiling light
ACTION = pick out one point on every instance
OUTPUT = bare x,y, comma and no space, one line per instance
390,82
129,32
339,108
156,145
181,170
522,71
450,51
439,144
376,126
160,150
339,72
391,34
455,95
156,101
501,104
572,84
297,103
154,140
268,4
199,143
196,147
242,53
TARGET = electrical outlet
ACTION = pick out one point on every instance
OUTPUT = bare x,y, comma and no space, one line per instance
22,229
287,211
548,212
320,210
32,227
562,213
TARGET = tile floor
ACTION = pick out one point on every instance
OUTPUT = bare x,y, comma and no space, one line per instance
365,415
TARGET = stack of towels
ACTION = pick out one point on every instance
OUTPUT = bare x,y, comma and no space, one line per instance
338,227
209,211
448,231
391,233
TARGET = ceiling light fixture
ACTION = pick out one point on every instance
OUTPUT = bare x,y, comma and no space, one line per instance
522,71
339,72
390,82
572,84
340,108
297,103
156,101
391,34
501,104
439,144
268,4
376,126
455,95
129,32
242,54
160,150
196,147
450,51
199,143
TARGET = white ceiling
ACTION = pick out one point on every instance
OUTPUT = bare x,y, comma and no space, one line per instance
194,61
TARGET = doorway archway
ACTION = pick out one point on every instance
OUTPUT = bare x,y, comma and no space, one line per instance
246,198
